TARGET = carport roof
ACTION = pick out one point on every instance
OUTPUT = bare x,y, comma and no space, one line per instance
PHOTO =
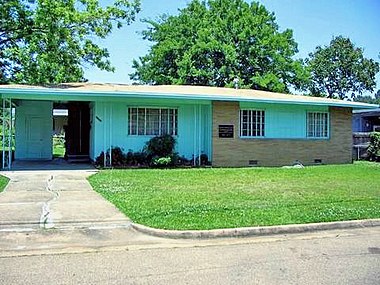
94,91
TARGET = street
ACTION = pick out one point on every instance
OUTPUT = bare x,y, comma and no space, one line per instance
329,257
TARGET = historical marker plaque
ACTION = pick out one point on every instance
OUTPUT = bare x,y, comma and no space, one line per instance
226,131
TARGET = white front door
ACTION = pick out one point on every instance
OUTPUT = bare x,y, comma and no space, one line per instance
33,130
35,137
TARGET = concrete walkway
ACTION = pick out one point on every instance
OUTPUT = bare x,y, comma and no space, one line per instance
55,197
51,208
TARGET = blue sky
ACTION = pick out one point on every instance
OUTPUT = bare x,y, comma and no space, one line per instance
313,23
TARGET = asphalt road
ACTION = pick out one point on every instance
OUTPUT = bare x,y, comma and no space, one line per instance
331,257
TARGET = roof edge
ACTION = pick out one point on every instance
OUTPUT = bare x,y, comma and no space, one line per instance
178,95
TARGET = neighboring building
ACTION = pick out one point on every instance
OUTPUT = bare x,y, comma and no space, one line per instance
59,121
365,121
233,127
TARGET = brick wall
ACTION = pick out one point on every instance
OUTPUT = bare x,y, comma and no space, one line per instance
278,152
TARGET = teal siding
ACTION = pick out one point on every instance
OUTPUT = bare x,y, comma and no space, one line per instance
110,126
284,121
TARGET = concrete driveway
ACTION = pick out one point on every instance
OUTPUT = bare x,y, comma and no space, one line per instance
53,196
51,208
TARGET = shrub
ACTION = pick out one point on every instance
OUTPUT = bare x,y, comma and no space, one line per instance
136,158
204,159
160,146
374,146
118,157
99,161
162,161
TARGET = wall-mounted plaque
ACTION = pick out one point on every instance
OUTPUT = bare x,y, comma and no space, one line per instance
226,131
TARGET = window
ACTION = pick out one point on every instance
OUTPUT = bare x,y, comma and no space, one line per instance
317,125
252,123
152,121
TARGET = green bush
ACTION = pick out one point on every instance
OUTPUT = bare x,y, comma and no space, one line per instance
158,152
374,147
136,158
118,157
162,161
160,146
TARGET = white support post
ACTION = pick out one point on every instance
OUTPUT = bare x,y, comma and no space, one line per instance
3,134
10,136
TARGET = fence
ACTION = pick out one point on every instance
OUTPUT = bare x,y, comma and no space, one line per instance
360,145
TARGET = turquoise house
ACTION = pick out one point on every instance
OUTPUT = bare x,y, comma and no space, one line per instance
233,127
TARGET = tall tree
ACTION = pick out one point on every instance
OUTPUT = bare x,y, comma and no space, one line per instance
377,95
340,70
367,99
47,42
215,42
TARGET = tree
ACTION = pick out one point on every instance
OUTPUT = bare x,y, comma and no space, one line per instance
215,42
377,95
340,70
367,99
48,42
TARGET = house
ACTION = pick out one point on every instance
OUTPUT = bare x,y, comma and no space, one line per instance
233,127
365,121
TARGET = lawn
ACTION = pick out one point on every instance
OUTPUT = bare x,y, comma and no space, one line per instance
241,197
3,182
58,146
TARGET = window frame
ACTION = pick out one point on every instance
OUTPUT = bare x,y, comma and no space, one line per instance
262,129
172,112
325,131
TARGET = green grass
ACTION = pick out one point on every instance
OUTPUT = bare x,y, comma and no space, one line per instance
3,182
58,146
58,151
242,197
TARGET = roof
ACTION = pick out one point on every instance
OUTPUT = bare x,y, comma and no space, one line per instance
368,113
171,92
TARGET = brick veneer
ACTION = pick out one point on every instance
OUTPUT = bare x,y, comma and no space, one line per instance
277,152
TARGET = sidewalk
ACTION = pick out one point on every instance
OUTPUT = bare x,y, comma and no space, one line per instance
52,208
54,199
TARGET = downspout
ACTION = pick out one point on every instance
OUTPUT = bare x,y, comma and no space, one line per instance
110,133
195,139
104,136
210,132
200,135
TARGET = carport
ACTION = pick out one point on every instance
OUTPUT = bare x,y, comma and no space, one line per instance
27,130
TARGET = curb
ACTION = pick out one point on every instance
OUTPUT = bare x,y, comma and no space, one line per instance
255,231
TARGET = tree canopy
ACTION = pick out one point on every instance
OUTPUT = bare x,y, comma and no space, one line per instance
340,70
216,42
48,42
369,99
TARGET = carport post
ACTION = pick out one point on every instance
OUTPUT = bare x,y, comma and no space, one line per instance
7,122
10,135
3,135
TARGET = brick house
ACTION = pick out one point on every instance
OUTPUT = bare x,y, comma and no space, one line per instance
233,127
